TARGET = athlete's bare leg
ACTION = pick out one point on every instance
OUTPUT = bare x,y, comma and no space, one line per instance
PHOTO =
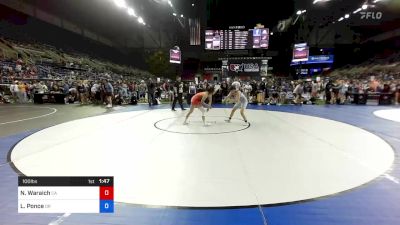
232,113
242,113
188,114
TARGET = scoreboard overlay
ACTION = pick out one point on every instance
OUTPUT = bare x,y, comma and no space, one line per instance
65,194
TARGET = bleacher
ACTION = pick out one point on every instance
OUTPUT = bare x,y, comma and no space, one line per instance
52,63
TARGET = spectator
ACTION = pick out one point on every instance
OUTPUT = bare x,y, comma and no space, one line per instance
14,91
66,92
314,91
151,88
142,90
82,91
343,88
191,92
328,92
224,89
397,93
298,92
109,92
247,90
21,92
95,93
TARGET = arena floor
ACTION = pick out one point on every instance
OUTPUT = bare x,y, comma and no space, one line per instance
290,165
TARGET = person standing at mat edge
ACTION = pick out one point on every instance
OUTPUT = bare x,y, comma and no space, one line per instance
198,101
109,92
178,93
151,88
241,103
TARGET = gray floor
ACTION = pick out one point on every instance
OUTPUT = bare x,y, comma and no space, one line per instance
11,116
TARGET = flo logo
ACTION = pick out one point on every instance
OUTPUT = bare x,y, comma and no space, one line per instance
371,15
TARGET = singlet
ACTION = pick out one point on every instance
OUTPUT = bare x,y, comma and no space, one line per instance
196,99
243,98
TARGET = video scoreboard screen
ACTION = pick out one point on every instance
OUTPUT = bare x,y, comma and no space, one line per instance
175,56
260,38
236,39
300,53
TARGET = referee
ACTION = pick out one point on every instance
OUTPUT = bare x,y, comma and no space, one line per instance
178,93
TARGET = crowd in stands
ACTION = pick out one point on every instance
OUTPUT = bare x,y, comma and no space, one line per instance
107,88
84,82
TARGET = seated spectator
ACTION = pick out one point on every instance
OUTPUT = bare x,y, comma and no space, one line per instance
298,92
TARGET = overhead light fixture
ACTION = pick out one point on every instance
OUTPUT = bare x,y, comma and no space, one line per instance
193,4
299,12
340,19
364,7
317,1
131,12
120,3
357,11
346,16
140,20
182,15
170,3
272,33
174,14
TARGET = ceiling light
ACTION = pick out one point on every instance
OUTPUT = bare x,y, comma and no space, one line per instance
131,12
358,10
140,20
316,1
120,3
346,16
364,7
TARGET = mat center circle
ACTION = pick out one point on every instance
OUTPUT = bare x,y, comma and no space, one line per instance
214,125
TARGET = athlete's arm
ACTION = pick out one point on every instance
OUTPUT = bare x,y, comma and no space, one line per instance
203,100
227,97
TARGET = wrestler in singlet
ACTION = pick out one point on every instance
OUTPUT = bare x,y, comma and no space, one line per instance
198,103
243,102
196,99
240,103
